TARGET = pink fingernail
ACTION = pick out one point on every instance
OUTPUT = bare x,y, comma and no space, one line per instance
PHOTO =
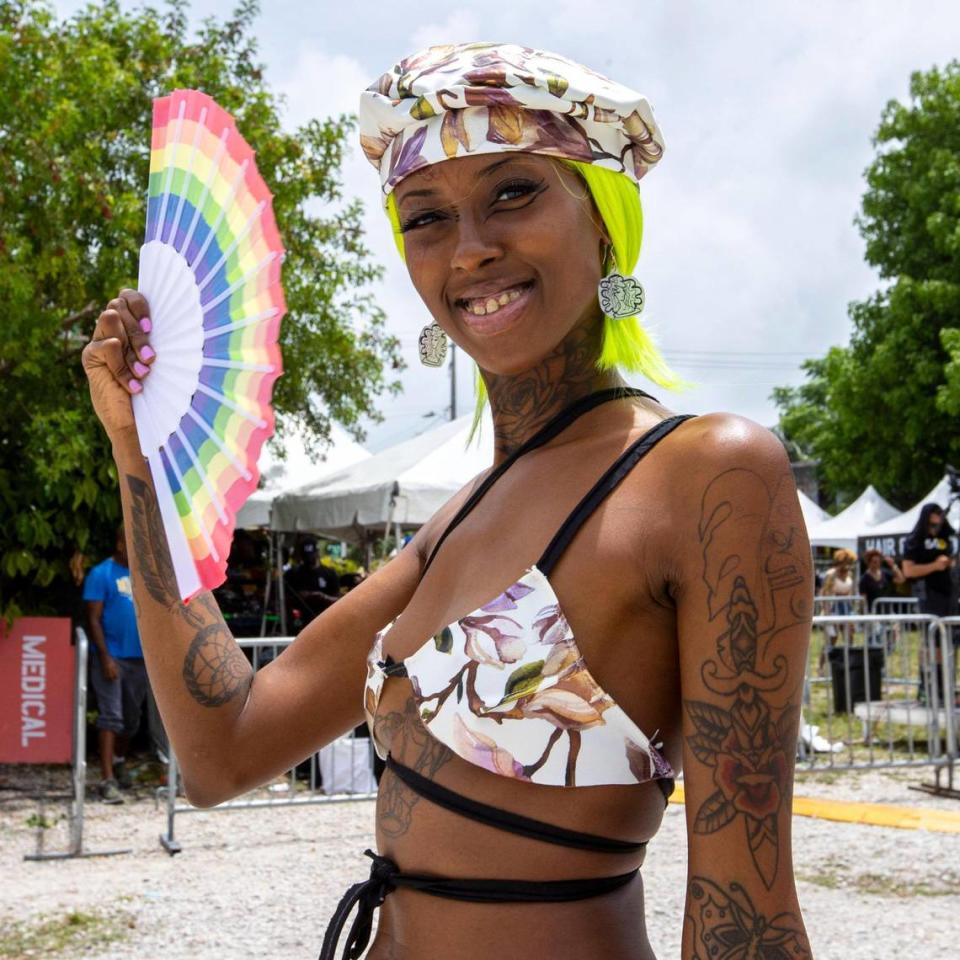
140,369
145,325
135,386
148,353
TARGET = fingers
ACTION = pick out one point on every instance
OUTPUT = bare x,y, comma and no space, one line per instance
132,308
121,339
111,352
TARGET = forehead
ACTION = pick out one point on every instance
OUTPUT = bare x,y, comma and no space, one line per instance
458,174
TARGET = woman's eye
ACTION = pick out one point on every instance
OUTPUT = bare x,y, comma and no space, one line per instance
413,222
522,186
519,187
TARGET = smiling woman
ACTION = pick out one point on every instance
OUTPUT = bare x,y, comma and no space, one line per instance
624,593
611,201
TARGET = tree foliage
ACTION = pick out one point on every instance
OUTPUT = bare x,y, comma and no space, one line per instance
75,117
883,409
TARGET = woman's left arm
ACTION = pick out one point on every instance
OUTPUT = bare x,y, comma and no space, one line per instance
744,597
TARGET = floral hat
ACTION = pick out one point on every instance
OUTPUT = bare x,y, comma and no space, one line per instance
456,99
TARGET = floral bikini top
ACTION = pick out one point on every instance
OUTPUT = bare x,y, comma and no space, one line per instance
506,687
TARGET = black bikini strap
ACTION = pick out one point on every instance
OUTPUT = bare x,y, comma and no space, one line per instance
546,433
385,876
505,820
617,471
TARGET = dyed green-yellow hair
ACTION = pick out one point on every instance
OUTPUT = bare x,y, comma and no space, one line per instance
626,344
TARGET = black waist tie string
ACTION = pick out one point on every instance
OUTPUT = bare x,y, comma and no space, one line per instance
385,875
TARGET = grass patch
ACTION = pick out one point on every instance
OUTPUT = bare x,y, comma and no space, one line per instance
835,874
47,936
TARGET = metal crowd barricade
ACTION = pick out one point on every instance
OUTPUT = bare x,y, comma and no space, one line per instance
351,752
893,674
78,766
827,605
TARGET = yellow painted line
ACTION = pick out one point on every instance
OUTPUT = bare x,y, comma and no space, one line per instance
873,814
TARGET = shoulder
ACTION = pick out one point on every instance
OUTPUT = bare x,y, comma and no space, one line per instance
728,490
714,441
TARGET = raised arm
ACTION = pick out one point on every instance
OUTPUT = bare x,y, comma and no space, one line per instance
231,730
744,604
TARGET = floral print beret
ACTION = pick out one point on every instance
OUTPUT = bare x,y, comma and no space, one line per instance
455,99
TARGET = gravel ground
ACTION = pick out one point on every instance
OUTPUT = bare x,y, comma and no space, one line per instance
255,884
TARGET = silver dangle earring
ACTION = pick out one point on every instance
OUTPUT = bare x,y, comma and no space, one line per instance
432,345
619,296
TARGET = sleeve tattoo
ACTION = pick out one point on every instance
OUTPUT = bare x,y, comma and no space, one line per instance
749,736
215,670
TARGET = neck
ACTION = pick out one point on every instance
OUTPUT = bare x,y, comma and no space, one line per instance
118,559
522,403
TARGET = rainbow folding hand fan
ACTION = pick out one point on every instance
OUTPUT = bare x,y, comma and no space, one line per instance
210,271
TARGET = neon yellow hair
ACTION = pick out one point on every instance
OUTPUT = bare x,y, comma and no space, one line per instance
626,344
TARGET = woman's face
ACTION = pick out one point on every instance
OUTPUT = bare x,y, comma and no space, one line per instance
515,227
875,562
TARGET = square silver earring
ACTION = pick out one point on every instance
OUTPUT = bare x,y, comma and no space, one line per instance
620,296
432,345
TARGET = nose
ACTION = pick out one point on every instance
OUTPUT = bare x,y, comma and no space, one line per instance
476,244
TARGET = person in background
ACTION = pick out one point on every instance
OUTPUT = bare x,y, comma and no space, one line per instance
879,577
838,582
310,584
118,674
928,556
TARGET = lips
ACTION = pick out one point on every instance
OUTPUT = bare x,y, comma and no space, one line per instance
506,316
486,291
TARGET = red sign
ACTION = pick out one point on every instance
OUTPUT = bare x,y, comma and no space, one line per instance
36,691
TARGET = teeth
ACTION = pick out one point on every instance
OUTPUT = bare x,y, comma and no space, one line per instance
482,307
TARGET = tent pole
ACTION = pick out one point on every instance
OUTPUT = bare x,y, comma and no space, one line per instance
269,584
281,590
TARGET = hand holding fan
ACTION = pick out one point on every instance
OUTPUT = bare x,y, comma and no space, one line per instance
210,271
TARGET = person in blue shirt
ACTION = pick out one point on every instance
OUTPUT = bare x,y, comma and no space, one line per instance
117,668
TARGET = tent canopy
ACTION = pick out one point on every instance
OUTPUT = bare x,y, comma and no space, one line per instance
905,522
813,513
405,484
298,469
868,510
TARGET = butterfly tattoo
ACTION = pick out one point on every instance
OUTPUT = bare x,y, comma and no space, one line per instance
727,926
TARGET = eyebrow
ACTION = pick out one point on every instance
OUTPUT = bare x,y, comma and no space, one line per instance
484,173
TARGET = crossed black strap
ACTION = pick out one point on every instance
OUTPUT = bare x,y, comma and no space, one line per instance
385,876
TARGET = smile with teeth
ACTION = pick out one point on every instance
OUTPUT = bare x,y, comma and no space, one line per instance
483,306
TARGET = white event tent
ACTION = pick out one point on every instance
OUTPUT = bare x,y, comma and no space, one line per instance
296,470
903,523
812,512
403,485
863,515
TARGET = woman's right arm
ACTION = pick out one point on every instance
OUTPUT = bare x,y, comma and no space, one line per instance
231,729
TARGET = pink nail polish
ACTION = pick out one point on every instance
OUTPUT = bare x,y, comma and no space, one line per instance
145,325
148,353
140,369
135,386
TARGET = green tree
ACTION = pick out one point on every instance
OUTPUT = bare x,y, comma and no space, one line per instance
883,409
75,116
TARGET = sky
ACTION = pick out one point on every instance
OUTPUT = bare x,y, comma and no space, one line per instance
750,253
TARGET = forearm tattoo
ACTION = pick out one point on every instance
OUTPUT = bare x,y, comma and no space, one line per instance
395,800
725,925
749,737
215,670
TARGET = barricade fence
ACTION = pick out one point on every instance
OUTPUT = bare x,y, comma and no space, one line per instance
880,691
340,771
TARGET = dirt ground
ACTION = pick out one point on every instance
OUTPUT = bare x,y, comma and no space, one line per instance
263,883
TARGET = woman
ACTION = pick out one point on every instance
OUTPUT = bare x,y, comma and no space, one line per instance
880,577
928,559
521,787
878,580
